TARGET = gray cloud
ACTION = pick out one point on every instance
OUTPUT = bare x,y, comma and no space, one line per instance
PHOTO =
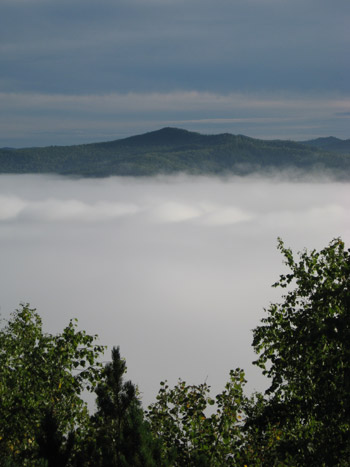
30,119
175,270
154,48
223,46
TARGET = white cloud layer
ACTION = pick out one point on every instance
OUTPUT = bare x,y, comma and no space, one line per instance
18,209
175,270
12,208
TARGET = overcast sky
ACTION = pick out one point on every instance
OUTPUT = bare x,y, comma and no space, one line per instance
175,270
75,71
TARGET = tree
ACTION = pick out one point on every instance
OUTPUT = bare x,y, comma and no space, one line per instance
122,437
41,381
189,434
303,346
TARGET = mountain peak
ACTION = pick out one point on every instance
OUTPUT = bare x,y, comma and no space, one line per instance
167,136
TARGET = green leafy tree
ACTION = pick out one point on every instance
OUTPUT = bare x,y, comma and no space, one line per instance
121,435
189,433
303,347
41,382
54,448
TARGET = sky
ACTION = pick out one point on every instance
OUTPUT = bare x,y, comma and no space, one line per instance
177,271
82,71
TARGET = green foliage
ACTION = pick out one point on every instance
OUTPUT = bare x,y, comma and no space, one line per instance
42,376
304,348
121,436
196,430
302,419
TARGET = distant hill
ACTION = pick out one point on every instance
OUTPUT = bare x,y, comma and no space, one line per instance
330,144
173,150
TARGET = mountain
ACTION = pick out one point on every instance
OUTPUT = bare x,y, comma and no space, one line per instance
330,144
173,150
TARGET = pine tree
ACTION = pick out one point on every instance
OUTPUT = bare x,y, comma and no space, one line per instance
122,436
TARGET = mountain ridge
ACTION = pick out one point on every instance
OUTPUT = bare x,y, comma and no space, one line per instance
330,143
173,150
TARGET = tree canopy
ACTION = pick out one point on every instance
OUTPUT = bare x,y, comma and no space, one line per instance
195,429
42,375
303,418
303,347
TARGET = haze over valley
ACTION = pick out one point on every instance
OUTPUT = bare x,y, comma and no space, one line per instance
176,270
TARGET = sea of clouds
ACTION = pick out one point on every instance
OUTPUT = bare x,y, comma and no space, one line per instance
175,270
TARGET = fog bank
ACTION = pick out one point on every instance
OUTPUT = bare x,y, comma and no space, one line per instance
175,270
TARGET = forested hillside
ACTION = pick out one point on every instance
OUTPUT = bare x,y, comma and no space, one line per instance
330,144
173,150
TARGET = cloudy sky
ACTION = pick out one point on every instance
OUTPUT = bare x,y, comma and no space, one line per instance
175,270
75,71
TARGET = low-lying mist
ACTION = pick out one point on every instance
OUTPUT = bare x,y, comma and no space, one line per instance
175,270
